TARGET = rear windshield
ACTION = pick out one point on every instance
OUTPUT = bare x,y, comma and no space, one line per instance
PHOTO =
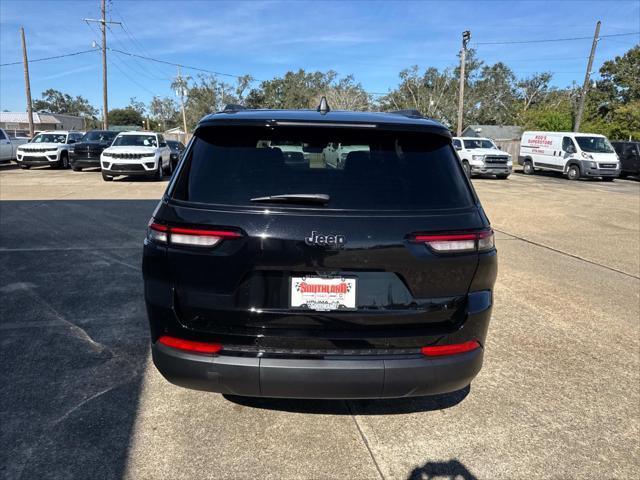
368,170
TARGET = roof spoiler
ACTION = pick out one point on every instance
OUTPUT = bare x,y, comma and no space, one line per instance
411,113
233,107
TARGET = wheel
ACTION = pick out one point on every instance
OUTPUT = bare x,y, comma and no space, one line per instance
467,168
574,172
527,168
158,176
502,177
623,175
26,167
63,163
607,179
76,169
107,178
169,170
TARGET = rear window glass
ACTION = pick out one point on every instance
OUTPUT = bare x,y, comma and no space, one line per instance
369,170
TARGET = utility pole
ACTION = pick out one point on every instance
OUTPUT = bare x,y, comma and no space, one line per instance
181,94
103,27
585,86
27,83
466,36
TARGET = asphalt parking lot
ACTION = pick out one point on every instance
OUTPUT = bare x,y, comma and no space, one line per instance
558,397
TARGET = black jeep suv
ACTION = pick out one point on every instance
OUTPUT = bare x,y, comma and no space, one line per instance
267,276
86,152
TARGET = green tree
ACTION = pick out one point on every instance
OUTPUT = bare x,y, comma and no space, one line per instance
432,93
621,77
125,116
137,105
492,96
163,110
294,90
55,101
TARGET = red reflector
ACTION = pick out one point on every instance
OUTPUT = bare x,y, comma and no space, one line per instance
158,227
190,345
454,348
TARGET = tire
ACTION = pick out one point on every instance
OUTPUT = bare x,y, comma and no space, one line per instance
623,175
467,168
608,179
527,168
63,163
26,167
573,172
158,176
107,178
76,169
169,170
502,177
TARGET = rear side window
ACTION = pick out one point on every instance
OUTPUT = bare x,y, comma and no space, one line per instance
362,170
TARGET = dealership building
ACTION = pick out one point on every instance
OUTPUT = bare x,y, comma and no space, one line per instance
17,123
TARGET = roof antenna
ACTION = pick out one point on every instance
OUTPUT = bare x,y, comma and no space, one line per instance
324,108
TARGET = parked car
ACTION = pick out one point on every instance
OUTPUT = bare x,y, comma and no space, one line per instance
576,155
481,156
629,155
48,148
335,155
9,146
264,278
86,152
176,150
141,154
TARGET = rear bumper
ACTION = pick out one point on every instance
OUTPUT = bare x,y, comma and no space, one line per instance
334,378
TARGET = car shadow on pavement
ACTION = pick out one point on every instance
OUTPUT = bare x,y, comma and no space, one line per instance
452,469
75,338
391,406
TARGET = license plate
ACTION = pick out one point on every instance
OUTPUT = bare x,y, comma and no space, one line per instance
323,293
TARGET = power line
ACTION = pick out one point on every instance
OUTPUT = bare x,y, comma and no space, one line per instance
175,64
556,39
136,65
137,45
49,58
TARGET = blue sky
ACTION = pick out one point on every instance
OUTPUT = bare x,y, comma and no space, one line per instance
373,40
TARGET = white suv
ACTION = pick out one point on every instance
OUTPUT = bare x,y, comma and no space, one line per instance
136,154
482,156
48,148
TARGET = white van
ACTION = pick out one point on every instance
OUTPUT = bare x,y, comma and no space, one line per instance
574,154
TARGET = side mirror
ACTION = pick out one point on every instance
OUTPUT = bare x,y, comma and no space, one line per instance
570,149
499,147
163,144
71,141
457,147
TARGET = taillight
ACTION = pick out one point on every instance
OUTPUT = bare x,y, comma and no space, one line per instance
458,242
190,345
452,349
192,237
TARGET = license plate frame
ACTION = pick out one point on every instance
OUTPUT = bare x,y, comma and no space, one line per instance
323,293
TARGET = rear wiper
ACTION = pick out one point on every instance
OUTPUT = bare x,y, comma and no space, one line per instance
320,198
